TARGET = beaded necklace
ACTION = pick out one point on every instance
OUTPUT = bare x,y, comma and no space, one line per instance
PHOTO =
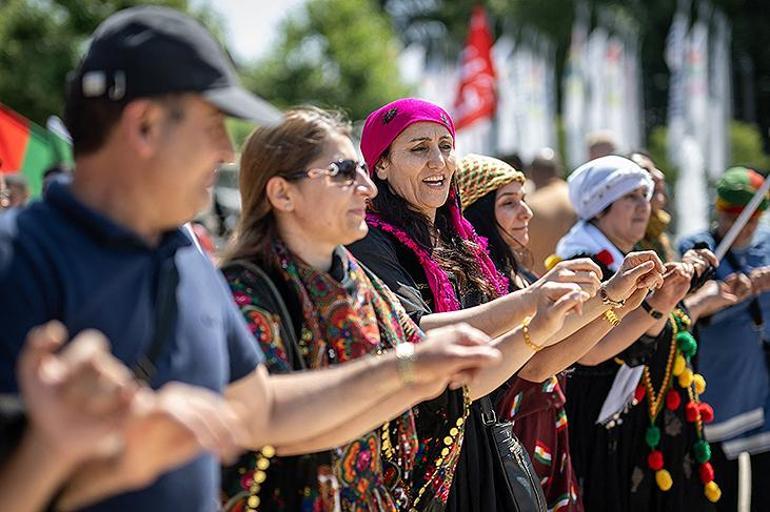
679,365
452,443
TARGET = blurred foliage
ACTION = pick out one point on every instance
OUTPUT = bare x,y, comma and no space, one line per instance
333,53
745,149
42,40
239,130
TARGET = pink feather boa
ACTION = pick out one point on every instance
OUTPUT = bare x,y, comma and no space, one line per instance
444,295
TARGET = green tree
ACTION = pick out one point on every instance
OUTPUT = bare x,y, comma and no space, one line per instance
41,41
334,53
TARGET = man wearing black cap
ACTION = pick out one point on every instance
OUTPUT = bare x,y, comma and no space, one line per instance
146,113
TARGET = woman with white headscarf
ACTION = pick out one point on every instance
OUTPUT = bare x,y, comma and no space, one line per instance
635,416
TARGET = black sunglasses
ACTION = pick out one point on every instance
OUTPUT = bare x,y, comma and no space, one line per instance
341,172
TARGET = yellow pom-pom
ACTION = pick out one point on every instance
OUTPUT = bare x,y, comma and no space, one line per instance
679,365
663,479
551,261
700,383
712,492
685,378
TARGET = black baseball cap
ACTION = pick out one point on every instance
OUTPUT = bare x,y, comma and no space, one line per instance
150,51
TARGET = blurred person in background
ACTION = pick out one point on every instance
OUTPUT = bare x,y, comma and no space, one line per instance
734,342
18,190
552,212
656,236
601,143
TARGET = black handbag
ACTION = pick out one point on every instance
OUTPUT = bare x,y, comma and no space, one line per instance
515,466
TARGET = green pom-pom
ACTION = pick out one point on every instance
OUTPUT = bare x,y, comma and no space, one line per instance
652,436
686,343
702,452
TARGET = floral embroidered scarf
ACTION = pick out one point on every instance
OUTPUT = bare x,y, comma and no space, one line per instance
343,321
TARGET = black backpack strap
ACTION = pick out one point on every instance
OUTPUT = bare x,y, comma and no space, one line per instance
145,367
268,291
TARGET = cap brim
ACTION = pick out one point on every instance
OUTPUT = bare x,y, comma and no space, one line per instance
239,103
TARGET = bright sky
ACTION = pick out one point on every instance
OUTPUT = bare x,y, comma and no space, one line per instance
252,25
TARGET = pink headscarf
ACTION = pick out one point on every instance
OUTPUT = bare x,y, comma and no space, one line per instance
381,128
387,122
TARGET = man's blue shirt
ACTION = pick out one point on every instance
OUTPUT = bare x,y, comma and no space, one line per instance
61,260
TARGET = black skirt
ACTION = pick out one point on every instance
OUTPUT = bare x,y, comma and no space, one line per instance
611,463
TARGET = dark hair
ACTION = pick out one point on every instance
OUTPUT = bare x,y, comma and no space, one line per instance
277,151
482,215
514,160
452,253
90,121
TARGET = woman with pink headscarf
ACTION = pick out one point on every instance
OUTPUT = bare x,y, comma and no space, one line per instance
429,255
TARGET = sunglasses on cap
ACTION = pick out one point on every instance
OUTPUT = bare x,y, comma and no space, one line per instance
341,172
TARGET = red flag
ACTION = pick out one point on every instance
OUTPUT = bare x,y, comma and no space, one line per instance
28,148
476,97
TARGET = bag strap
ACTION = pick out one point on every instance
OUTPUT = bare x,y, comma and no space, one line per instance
145,367
488,416
268,290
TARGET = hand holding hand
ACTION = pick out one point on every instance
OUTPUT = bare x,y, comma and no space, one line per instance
555,302
641,269
700,259
78,399
170,427
760,279
582,272
676,284
452,356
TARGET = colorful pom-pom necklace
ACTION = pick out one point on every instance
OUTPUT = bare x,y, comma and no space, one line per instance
679,366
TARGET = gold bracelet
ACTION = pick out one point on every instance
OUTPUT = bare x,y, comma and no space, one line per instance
406,357
527,339
612,317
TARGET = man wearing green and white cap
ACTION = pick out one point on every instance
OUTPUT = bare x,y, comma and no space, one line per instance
734,340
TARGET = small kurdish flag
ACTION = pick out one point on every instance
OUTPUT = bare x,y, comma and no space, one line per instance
29,149
516,403
561,420
561,504
549,385
542,453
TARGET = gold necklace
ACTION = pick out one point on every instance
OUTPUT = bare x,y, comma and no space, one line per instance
449,441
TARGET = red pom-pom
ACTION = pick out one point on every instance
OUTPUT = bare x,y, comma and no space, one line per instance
655,460
691,412
639,393
706,473
706,412
605,257
673,400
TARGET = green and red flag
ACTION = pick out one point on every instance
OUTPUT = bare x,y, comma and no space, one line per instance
29,149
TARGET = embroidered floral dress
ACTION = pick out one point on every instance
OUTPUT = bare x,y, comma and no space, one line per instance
338,316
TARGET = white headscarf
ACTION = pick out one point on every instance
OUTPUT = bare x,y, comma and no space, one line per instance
597,184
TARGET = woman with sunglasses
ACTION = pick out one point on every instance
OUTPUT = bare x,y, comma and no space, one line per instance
426,252
311,305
